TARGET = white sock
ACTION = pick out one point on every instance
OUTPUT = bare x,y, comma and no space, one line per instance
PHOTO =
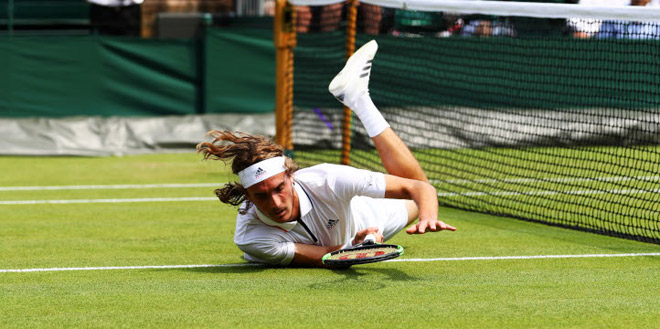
369,115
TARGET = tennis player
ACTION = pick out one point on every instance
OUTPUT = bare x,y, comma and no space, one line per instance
293,217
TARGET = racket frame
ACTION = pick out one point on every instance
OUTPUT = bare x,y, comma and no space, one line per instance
365,260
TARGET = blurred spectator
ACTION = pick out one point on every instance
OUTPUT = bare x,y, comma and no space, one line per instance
583,28
370,18
269,7
630,29
151,8
453,25
318,18
488,27
115,17
303,19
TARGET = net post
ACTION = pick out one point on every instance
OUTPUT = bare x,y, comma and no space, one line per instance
284,38
351,26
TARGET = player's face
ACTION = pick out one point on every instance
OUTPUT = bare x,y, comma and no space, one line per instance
276,198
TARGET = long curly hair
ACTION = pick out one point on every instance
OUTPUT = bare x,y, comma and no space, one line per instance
242,150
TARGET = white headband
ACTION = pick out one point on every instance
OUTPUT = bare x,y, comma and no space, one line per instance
261,171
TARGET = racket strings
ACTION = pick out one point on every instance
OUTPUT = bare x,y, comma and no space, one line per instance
357,254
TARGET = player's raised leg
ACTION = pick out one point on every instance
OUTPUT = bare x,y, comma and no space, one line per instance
351,87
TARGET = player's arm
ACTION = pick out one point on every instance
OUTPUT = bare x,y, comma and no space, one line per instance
311,255
426,198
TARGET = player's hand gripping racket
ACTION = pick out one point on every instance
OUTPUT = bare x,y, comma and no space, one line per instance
368,251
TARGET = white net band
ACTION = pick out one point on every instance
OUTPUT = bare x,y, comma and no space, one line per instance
506,8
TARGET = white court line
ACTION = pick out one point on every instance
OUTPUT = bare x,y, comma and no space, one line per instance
25,202
525,257
547,180
104,187
568,192
61,269
446,194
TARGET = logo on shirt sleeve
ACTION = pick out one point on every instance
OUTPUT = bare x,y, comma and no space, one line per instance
331,223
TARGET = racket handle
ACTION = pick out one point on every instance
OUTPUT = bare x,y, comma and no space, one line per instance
369,239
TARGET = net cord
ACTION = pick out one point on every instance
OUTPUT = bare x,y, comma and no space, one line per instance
506,8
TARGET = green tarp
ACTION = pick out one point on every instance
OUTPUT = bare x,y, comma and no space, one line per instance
68,76
229,71
240,71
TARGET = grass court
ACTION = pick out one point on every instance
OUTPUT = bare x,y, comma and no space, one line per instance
62,216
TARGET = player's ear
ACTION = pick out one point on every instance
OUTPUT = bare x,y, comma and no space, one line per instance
289,176
247,196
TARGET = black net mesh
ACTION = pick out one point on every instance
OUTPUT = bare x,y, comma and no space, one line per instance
320,53
547,120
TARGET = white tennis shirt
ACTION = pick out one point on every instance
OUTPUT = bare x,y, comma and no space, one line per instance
327,208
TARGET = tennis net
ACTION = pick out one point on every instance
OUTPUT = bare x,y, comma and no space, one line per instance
544,112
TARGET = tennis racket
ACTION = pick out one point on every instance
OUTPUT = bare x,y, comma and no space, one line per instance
368,251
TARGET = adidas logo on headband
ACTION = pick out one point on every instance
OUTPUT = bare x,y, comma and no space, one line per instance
261,171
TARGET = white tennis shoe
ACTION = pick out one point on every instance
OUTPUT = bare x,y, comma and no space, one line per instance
353,80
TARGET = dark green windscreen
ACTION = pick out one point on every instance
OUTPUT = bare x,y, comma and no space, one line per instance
230,70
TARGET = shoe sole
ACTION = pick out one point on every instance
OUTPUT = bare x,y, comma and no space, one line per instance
365,54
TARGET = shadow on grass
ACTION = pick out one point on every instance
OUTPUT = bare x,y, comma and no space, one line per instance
240,268
390,274
362,278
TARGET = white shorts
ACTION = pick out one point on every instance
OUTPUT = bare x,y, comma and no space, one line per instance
389,215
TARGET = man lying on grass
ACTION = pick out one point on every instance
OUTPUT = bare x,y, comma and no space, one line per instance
294,217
